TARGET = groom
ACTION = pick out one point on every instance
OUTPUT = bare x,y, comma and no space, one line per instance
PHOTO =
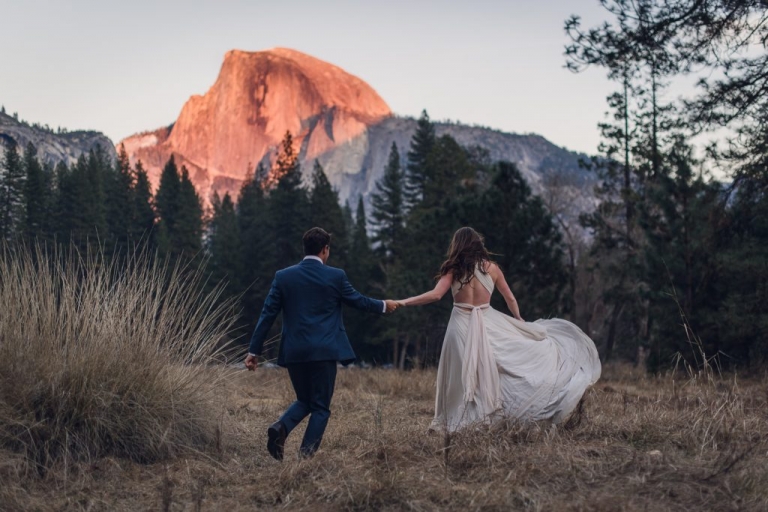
310,296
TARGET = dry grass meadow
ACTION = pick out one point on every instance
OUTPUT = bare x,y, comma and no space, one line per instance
642,443
113,397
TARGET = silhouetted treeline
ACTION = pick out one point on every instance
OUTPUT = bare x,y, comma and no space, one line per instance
394,250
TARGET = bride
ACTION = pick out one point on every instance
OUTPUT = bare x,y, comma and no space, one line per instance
493,365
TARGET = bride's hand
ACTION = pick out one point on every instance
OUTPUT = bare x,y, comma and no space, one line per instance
401,303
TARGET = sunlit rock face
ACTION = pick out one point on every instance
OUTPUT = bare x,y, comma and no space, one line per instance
334,117
222,135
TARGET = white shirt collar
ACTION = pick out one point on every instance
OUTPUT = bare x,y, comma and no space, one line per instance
314,258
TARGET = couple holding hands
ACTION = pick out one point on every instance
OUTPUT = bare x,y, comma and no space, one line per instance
491,366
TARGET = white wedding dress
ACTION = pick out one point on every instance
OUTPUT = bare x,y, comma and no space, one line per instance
494,366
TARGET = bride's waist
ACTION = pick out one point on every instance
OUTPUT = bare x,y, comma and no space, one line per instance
463,306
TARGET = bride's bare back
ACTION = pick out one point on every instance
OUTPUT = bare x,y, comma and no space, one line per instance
473,293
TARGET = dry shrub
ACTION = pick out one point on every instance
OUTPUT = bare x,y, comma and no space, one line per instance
102,359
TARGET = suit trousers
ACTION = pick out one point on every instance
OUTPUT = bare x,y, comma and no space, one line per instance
313,383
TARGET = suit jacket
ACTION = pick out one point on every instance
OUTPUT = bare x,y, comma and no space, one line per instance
310,296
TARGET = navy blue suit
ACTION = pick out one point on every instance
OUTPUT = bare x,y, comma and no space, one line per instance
310,296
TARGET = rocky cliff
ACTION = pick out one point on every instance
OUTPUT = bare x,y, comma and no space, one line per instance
257,97
334,117
53,147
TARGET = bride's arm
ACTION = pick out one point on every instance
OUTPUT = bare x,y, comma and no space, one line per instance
442,286
506,292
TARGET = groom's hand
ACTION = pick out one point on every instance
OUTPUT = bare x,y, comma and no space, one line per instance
251,362
391,305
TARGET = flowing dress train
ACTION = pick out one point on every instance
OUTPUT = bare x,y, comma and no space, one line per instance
494,366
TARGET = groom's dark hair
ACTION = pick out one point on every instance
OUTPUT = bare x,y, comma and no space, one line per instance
315,240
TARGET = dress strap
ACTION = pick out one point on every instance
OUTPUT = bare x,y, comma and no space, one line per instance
485,279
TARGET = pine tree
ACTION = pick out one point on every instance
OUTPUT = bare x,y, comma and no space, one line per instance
189,223
528,244
418,171
286,164
94,187
121,204
257,254
224,244
740,244
167,203
388,214
251,213
360,265
325,212
450,170
38,193
288,207
11,193
364,274
64,203
143,226
80,203
679,261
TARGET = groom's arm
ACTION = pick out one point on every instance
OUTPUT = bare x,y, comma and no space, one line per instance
272,306
355,299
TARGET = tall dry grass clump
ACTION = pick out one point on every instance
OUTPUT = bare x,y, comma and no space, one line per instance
99,358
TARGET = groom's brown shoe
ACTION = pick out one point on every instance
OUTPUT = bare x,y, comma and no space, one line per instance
276,435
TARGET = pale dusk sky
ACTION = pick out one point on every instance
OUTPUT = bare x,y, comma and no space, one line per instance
126,67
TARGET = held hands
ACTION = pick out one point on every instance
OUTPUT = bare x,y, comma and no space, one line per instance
392,305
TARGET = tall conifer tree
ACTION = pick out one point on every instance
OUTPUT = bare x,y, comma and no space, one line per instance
93,186
11,193
257,253
325,212
38,194
224,244
143,225
288,207
167,203
120,203
388,213
418,169
189,223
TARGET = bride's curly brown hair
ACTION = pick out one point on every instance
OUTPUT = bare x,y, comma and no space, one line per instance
466,251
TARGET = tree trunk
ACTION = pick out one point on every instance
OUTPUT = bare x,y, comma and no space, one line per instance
688,308
404,351
418,351
612,330
656,164
627,176
395,343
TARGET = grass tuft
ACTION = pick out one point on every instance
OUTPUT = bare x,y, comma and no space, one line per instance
99,359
